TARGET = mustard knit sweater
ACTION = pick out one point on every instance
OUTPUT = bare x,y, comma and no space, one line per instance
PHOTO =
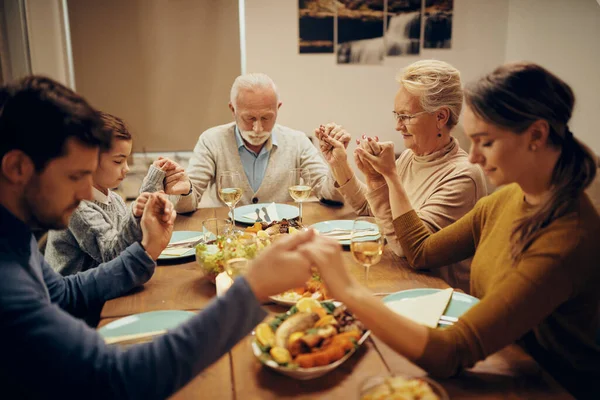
552,293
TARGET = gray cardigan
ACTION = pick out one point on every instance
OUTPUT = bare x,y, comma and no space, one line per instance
217,151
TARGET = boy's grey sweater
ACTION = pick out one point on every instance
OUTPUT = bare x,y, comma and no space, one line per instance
98,232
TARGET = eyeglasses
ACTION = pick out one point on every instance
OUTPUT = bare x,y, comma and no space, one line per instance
405,119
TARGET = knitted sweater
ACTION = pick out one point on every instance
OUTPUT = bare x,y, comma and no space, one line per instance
97,232
441,187
550,295
217,151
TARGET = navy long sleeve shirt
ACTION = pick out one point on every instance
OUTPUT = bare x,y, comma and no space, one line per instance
46,351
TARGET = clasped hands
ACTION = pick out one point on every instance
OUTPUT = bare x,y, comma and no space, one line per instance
375,159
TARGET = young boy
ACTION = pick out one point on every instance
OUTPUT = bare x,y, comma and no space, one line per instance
101,229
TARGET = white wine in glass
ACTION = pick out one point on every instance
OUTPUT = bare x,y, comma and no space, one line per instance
230,190
366,243
236,267
300,187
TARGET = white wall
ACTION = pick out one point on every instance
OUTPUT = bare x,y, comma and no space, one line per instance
563,36
315,90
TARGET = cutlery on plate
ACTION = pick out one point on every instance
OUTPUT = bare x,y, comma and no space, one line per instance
134,338
267,218
185,244
339,231
258,218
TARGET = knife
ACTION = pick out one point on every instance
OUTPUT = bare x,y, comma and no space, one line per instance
267,218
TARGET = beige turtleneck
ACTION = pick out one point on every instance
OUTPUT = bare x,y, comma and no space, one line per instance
442,187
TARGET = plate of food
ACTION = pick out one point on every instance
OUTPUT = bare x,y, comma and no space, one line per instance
402,387
314,289
264,212
309,340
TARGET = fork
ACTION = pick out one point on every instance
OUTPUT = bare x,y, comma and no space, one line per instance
258,218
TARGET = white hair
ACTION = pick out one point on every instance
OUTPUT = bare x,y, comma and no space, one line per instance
251,81
437,84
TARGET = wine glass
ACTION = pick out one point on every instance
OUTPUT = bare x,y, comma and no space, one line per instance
230,190
214,227
236,267
300,187
366,243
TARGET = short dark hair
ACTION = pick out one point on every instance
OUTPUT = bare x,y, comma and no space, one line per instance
38,115
116,126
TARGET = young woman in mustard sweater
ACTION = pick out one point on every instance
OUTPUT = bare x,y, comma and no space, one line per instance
534,243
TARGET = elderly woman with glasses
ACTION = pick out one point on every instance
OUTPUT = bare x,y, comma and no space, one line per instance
441,184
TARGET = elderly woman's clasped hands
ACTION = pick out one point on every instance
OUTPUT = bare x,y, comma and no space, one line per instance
374,159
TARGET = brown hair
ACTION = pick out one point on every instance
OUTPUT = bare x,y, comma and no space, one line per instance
116,125
513,97
39,115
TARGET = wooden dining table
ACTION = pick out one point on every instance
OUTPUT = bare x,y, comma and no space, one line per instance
508,374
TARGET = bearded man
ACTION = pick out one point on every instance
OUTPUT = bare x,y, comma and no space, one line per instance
254,145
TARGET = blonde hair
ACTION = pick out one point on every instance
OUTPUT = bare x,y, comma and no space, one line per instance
437,84
251,81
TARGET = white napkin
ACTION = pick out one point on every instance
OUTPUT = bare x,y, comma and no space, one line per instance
176,252
271,210
425,310
349,235
188,240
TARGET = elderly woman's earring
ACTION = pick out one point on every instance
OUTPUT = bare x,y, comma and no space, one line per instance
533,147
440,134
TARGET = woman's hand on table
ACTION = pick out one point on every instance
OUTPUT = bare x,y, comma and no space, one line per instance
157,224
281,266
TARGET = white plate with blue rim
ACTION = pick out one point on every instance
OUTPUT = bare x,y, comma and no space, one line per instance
148,322
339,224
284,211
459,303
179,236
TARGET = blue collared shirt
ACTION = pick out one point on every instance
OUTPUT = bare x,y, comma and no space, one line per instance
255,165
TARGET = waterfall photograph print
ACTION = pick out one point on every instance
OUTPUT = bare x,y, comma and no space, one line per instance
360,31
403,27
315,22
438,24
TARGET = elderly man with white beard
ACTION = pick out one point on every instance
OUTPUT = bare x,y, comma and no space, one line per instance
255,146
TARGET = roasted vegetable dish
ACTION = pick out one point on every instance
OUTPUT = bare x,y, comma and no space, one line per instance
310,334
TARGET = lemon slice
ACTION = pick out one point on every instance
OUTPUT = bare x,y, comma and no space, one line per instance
292,230
280,355
308,304
294,336
265,335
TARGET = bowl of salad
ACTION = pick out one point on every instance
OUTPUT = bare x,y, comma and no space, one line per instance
212,256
